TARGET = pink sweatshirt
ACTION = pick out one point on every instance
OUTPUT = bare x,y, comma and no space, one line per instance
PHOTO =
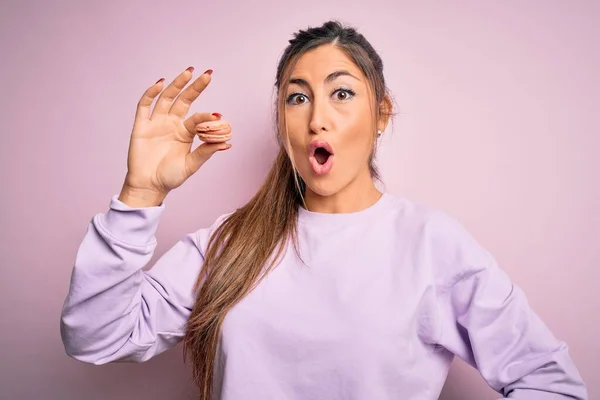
390,295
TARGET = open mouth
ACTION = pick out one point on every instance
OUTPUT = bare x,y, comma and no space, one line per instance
322,155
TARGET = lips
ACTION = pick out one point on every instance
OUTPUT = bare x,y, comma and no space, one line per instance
320,155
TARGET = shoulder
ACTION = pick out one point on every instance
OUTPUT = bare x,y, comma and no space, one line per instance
425,221
438,239
202,235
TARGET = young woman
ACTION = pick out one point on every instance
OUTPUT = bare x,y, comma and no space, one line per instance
321,287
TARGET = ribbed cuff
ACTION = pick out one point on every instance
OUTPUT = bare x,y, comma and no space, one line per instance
131,225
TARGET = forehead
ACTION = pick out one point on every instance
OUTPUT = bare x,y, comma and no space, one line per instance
322,61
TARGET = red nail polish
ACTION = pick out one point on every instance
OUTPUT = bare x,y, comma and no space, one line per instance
217,115
160,80
191,69
208,71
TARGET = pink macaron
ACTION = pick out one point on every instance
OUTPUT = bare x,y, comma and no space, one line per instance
214,131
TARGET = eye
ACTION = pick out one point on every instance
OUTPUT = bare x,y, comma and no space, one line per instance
296,99
343,94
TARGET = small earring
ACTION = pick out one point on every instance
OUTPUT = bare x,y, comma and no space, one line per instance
379,133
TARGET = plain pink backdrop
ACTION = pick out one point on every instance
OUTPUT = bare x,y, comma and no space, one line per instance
497,125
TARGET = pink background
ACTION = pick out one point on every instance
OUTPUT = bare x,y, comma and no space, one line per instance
498,126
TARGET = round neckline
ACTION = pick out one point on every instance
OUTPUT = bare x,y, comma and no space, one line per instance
367,214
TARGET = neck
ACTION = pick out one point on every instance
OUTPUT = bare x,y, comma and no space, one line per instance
357,196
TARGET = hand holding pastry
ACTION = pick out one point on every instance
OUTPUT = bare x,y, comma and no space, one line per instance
160,158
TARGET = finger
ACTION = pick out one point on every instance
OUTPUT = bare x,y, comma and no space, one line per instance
165,100
143,106
182,103
203,153
198,118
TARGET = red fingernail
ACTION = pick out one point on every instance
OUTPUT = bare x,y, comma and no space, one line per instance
160,80
208,71
191,69
217,115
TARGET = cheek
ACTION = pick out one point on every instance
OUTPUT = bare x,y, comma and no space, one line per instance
297,119
297,148
297,128
359,139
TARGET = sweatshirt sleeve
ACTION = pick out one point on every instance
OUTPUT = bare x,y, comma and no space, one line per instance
487,322
116,311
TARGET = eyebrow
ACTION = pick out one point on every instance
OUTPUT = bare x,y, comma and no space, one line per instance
330,78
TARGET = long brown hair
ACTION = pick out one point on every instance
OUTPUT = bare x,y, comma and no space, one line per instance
249,242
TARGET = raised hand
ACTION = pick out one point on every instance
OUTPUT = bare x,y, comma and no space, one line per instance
160,157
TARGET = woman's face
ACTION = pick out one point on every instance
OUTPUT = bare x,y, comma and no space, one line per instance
329,121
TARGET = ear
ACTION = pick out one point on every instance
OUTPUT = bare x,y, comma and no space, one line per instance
385,110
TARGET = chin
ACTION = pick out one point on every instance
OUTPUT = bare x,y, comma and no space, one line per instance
324,186
323,190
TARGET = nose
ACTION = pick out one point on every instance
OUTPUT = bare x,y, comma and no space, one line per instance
318,121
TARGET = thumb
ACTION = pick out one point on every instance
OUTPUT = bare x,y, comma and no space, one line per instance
202,153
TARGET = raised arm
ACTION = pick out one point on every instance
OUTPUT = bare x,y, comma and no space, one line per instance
116,311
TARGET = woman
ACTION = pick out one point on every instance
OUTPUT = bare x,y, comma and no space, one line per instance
321,287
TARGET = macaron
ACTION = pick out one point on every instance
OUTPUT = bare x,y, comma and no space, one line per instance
214,131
